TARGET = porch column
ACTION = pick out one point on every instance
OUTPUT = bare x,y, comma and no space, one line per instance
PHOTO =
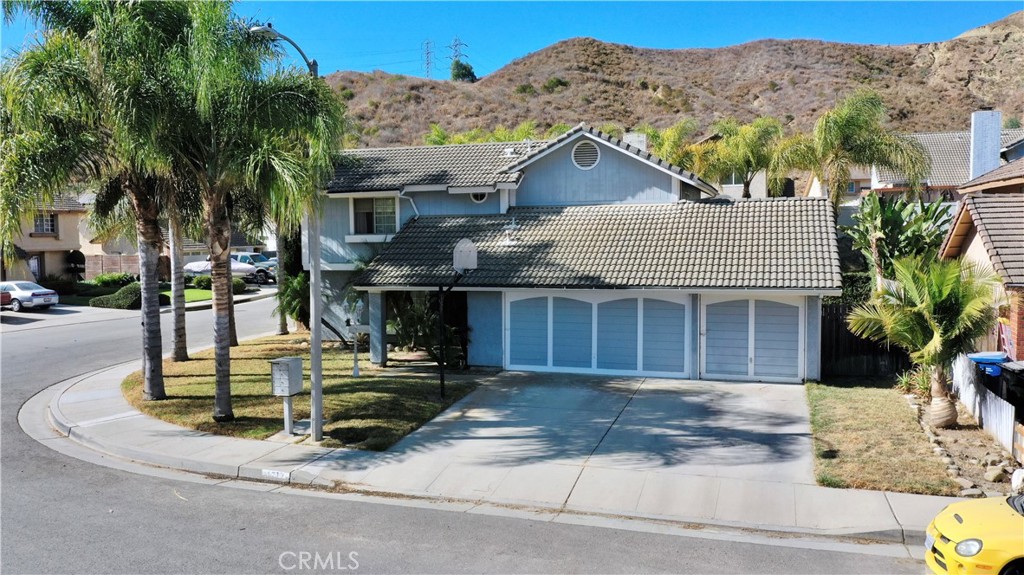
378,329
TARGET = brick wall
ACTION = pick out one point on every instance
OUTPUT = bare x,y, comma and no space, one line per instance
96,265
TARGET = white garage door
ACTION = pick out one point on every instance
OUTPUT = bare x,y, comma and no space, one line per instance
760,339
598,333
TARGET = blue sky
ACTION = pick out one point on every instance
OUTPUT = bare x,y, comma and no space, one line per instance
390,35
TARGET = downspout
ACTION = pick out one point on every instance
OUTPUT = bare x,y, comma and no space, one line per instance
401,194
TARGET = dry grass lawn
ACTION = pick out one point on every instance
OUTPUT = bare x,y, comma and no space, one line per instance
370,412
868,438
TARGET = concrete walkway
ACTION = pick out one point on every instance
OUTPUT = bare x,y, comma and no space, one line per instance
617,447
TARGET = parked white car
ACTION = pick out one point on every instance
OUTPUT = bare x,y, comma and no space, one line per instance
29,295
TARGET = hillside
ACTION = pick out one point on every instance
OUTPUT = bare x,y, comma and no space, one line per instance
926,86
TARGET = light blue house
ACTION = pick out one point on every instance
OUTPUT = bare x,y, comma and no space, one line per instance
594,256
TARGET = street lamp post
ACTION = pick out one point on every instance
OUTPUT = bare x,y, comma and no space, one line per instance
316,399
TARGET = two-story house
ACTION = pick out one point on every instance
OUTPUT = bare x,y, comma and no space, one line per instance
594,256
46,240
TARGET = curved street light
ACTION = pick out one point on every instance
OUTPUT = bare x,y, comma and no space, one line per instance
316,395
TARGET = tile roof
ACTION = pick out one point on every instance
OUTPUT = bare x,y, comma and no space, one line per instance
62,203
950,153
691,178
997,217
1012,171
715,243
375,169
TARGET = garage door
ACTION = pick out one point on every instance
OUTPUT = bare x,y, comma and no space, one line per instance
758,339
598,333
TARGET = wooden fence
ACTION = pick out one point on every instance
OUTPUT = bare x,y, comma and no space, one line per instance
845,354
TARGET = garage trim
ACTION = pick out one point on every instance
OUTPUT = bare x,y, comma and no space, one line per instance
594,298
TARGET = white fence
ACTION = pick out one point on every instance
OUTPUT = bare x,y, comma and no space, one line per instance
994,414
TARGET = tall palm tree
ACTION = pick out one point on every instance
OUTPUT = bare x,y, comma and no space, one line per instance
935,310
853,133
89,102
250,131
671,144
743,150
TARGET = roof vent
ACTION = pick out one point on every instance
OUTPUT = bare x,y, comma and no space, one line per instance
585,155
510,152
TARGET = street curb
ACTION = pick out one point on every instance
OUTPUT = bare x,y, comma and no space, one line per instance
202,305
308,473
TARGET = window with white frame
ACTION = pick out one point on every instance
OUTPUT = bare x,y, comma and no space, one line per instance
45,224
733,179
374,216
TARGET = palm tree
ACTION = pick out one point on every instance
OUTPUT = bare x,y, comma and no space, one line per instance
90,102
743,150
672,143
251,131
851,134
935,310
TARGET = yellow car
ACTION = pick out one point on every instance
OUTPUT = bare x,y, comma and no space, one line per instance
978,536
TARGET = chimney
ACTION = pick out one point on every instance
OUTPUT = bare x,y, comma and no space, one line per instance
986,131
635,139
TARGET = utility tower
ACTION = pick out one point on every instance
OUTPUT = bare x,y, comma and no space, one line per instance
428,57
456,47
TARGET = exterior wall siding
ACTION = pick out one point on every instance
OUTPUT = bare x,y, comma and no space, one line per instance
571,328
616,334
528,327
445,204
664,330
776,339
616,179
335,226
728,331
812,319
333,289
378,329
484,318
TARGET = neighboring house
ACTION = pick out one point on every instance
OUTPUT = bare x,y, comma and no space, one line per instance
594,257
47,239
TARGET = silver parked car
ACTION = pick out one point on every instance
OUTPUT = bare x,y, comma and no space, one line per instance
28,294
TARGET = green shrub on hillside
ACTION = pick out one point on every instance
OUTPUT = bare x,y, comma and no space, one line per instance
553,84
128,297
526,89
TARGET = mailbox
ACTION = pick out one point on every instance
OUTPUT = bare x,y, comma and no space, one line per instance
286,376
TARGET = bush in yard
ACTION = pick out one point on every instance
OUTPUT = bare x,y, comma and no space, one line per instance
237,286
128,297
61,285
202,282
113,279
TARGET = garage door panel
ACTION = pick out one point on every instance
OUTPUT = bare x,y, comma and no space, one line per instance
664,336
776,339
726,348
528,331
572,326
617,334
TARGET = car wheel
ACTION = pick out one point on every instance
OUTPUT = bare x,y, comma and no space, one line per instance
1014,568
15,305
261,277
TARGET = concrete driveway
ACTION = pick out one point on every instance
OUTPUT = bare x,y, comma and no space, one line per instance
656,446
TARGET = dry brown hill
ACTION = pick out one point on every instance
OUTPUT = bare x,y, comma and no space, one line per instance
926,86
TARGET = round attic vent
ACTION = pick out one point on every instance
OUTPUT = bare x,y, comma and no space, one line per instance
585,155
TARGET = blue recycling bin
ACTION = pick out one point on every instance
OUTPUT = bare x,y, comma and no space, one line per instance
989,361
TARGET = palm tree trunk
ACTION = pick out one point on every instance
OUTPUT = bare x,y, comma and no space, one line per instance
231,311
282,317
148,232
877,262
942,412
746,189
178,288
220,271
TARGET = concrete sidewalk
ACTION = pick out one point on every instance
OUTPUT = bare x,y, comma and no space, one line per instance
92,411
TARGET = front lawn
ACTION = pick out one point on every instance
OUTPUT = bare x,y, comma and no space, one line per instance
867,437
192,294
370,412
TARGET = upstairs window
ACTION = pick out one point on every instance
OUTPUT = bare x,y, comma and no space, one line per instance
375,216
45,224
732,179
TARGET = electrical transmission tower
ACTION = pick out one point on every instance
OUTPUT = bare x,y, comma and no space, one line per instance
428,57
456,47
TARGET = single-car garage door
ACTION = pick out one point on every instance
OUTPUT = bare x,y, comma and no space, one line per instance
598,333
760,339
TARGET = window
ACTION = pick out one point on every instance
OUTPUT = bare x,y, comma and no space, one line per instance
478,198
733,179
851,188
45,224
374,216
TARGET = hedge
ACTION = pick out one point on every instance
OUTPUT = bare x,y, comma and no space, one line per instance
206,282
128,297
113,279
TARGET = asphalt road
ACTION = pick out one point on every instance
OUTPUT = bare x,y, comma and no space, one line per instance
59,514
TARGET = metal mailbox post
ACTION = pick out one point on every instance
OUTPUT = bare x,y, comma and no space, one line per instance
286,381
